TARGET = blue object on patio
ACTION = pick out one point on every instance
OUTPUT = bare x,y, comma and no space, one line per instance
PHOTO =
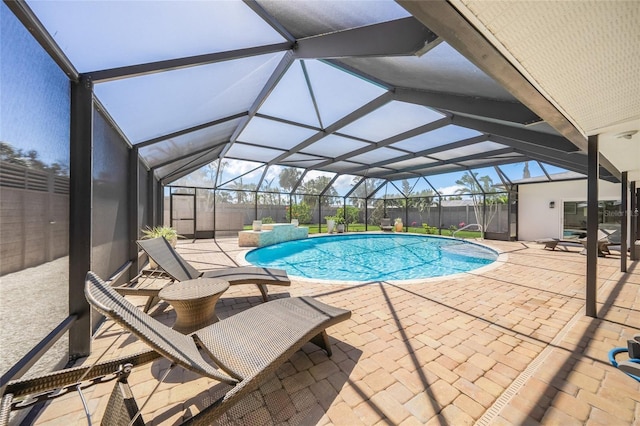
630,367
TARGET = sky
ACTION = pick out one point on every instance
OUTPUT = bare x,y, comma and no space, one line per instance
35,95
443,183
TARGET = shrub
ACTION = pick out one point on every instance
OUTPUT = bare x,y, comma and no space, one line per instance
429,229
352,216
301,211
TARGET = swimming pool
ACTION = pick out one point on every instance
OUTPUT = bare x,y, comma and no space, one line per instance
373,257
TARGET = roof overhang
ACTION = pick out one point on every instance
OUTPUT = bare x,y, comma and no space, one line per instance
595,44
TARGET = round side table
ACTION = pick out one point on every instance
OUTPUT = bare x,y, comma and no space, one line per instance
194,302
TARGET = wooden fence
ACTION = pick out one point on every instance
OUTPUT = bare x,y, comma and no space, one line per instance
34,217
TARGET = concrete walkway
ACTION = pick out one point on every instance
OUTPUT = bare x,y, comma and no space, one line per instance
510,345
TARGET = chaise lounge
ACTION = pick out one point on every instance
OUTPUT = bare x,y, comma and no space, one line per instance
178,269
239,353
246,347
605,242
553,243
385,224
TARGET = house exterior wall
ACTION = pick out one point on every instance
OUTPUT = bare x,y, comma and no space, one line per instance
536,220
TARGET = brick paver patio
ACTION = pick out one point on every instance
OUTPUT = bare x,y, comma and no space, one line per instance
508,345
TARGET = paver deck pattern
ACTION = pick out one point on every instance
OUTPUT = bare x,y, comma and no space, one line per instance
509,345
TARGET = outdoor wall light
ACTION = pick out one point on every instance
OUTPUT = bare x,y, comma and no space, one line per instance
626,135
552,204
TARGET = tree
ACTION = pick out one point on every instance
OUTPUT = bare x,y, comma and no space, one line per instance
30,159
223,197
301,211
269,195
205,176
59,168
365,188
239,187
481,190
34,162
251,192
314,187
406,187
7,153
288,178
468,185
423,202
526,174
377,213
352,214
360,194
401,200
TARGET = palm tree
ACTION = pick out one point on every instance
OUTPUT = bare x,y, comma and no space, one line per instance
423,202
268,193
239,188
482,191
360,193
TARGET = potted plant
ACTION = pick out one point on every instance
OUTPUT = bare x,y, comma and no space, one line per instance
399,224
167,232
331,223
340,224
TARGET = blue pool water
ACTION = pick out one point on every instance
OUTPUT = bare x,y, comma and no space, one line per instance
373,257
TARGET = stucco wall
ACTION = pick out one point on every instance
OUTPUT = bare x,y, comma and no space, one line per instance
536,220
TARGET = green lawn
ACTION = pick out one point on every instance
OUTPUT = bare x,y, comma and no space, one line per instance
359,227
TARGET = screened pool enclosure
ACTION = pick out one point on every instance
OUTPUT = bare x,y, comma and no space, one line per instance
209,115
437,204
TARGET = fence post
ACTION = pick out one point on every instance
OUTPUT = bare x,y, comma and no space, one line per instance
366,214
440,223
484,215
319,214
48,223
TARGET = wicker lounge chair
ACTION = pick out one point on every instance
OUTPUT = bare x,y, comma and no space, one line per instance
247,347
178,269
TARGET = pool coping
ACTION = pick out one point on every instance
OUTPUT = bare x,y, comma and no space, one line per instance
503,257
